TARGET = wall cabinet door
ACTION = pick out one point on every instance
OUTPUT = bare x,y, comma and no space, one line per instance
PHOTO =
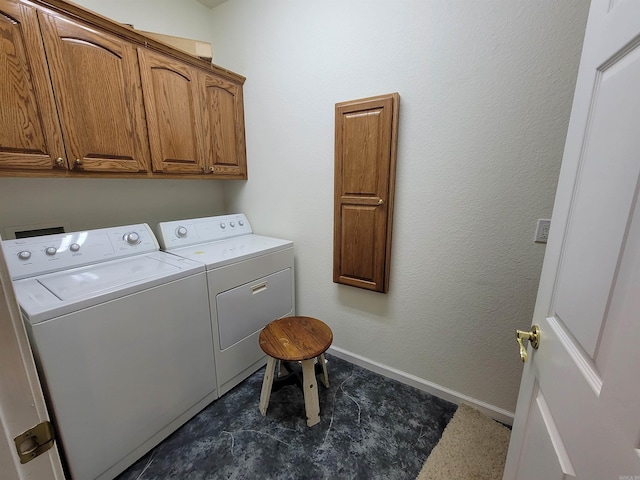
365,159
30,136
172,105
97,88
223,124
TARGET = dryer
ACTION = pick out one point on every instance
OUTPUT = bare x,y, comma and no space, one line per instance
250,279
122,340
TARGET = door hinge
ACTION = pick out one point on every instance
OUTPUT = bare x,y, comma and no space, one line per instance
35,441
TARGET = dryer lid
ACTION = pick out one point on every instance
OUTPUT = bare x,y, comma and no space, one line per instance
225,252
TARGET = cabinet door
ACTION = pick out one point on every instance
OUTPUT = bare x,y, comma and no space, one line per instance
365,158
172,105
96,81
223,124
30,136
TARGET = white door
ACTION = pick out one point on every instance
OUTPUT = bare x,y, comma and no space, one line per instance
21,402
578,413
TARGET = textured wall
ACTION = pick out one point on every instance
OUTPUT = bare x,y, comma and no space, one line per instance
486,90
95,203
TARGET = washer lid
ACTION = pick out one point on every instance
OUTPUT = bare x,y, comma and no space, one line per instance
224,252
90,281
46,296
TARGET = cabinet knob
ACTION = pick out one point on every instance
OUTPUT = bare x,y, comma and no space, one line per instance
211,169
78,162
60,162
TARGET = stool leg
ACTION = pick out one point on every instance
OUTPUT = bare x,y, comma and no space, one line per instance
311,402
325,375
267,382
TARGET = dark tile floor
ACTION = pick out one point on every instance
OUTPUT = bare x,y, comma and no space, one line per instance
371,427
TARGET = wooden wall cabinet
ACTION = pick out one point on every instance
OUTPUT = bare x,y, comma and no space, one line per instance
223,123
30,136
195,118
98,95
87,96
173,108
365,163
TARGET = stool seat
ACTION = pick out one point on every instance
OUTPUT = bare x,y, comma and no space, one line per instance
292,339
295,338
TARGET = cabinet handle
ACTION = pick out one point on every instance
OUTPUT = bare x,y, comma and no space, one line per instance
60,162
78,162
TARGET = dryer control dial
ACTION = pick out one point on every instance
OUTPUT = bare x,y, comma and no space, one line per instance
51,251
132,238
24,255
181,232
223,225
74,247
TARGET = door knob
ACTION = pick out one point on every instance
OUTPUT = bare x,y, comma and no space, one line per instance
534,339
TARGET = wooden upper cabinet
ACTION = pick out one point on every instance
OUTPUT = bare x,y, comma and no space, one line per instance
172,104
30,136
223,125
96,80
365,159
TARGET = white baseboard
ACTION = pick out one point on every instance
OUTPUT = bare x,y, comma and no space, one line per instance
492,411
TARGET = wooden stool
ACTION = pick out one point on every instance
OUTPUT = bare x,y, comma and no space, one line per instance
296,339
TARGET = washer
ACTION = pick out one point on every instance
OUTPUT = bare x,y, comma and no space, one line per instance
250,279
122,340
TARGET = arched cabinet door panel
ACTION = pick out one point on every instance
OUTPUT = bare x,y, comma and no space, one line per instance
172,105
30,136
96,80
223,125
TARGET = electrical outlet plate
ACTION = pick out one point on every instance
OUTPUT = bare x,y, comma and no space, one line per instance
542,231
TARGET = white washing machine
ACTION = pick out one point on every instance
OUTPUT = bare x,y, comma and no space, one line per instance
250,280
122,340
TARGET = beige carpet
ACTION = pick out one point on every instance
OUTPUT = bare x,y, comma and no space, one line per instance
472,447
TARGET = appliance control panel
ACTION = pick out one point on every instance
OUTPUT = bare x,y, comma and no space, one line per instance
182,233
31,256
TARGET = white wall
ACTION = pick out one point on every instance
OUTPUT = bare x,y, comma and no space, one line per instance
486,90
95,203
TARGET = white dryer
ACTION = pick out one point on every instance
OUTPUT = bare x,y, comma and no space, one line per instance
250,279
122,340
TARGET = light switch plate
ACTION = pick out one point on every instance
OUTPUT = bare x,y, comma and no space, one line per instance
542,231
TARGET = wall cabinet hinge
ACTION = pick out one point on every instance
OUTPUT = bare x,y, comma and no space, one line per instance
35,441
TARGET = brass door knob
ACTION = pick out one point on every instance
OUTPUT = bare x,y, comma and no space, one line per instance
534,339
60,162
78,162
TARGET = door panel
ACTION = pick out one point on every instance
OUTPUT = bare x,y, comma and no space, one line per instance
365,154
588,303
97,84
608,165
30,135
172,106
543,439
223,124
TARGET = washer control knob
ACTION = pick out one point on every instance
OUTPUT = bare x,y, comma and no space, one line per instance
24,255
232,225
181,232
74,247
222,225
51,251
241,223
132,238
